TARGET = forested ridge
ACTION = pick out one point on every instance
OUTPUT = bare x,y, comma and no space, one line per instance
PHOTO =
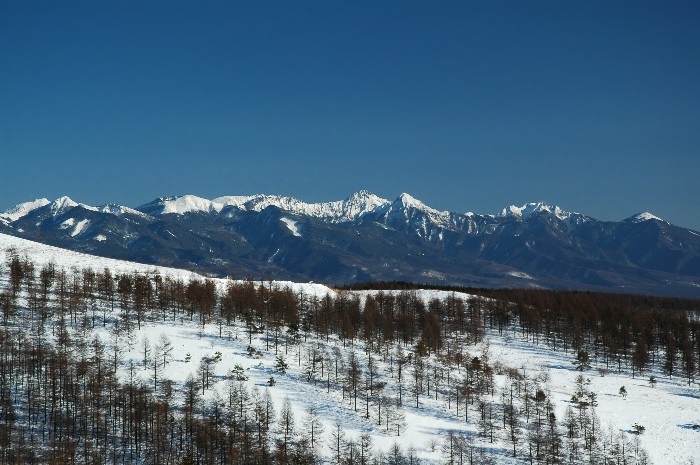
69,395
631,331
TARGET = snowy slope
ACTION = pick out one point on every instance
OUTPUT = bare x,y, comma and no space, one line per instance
18,211
42,254
668,410
646,216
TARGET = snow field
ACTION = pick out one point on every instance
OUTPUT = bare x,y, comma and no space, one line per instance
668,411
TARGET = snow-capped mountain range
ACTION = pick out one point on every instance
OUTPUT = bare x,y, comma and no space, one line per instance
366,237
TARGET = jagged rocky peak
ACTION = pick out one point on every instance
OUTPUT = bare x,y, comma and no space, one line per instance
360,203
406,205
531,208
407,200
364,197
349,209
62,204
65,203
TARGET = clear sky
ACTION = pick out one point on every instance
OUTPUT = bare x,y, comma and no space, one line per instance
467,105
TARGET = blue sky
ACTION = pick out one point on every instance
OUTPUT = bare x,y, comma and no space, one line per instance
468,106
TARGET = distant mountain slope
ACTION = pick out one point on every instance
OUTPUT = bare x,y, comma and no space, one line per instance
365,237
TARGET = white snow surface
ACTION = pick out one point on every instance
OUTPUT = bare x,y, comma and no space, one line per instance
520,274
80,227
42,254
646,216
349,209
187,204
59,206
668,411
64,203
292,226
18,211
529,209
119,210
405,202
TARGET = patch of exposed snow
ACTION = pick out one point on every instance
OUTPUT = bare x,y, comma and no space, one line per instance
272,257
80,227
519,274
100,238
238,201
67,223
433,274
292,226
119,210
23,209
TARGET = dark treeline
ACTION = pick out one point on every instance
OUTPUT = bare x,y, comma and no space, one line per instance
636,300
62,401
625,331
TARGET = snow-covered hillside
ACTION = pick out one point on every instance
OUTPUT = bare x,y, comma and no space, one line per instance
670,410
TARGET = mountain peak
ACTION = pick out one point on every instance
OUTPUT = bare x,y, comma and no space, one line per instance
640,217
408,201
62,204
531,208
365,237
405,203
23,209
360,203
361,195
180,204
349,209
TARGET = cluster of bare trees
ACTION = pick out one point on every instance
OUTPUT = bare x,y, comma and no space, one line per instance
636,333
625,332
62,401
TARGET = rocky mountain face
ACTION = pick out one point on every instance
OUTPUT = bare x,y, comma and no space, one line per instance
365,237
